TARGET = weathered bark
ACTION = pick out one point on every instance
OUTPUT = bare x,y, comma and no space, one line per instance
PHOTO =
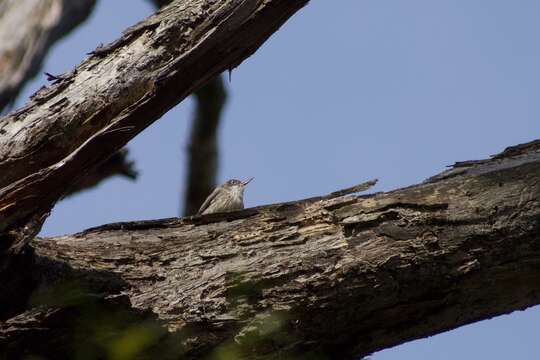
332,277
91,112
269,282
39,24
203,145
28,28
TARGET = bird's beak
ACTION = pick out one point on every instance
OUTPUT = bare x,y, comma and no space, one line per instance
247,182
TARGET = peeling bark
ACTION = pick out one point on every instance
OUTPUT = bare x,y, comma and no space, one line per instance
333,277
276,281
39,24
120,89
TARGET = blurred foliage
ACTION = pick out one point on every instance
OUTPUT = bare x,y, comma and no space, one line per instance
268,334
132,342
104,329
110,329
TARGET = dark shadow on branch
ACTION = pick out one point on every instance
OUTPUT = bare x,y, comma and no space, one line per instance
118,164
160,3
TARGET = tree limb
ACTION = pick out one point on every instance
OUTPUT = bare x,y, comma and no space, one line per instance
117,164
91,112
333,277
28,28
39,24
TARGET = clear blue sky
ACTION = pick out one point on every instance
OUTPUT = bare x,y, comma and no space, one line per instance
346,91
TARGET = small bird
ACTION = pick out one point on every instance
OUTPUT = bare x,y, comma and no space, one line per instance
227,197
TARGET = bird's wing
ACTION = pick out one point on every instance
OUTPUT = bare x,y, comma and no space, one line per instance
208,200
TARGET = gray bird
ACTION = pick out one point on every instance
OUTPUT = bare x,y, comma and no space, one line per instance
227,197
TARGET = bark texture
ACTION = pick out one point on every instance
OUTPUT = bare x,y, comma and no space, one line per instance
28,28
89,113
333,277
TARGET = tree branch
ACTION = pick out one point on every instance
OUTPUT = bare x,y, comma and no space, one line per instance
39,24
28,28
117,164
123,87
333,277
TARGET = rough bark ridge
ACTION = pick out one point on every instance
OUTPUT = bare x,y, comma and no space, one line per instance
330,277
39,24
91,112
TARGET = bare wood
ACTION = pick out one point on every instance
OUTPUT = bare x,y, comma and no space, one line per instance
91,112
28,28
336,277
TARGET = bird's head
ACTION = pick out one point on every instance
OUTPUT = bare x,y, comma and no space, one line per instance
236,184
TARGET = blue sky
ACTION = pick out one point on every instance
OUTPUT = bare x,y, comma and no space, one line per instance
346,91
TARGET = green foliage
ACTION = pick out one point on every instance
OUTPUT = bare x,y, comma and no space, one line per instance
110,329
132,342
103,329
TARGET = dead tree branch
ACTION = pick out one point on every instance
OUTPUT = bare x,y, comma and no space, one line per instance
331,277
28,28
277,281
119,90
38,25
118,164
